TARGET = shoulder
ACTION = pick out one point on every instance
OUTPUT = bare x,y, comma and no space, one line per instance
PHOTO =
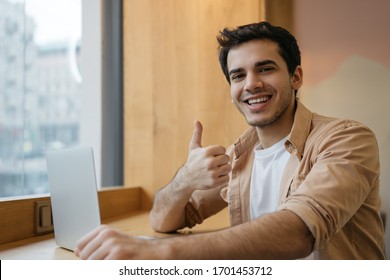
323,127
342,138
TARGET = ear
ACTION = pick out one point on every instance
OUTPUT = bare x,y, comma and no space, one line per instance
297,78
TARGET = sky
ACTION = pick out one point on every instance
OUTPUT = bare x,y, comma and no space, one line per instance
56,20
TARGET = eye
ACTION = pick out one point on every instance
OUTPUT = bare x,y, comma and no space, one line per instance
266,69
237,76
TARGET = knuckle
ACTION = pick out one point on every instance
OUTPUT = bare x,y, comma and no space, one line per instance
209,164
204,151
215,150
228,168
107,233
220,150
215,176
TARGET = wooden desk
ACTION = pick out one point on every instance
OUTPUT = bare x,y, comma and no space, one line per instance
136,223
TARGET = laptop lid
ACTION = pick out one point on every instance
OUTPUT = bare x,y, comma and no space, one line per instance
73,191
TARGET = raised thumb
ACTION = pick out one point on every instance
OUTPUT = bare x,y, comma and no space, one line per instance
196,140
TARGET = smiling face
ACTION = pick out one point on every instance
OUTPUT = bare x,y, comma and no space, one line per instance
260,85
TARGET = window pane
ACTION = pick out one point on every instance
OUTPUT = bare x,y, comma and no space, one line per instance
40,88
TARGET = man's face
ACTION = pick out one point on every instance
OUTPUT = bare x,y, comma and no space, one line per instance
260,85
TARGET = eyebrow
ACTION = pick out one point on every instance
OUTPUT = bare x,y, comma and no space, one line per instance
265,62
257,64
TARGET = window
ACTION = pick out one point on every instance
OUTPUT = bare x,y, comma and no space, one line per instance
52,95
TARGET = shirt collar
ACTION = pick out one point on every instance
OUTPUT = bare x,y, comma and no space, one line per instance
300,129
296,139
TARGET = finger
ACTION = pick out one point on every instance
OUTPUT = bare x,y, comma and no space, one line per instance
100,250
86,239
221,180
94,250
215,150
221,160
89,245
196,140
109,244
224,170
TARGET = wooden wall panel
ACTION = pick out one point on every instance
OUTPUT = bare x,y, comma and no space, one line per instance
280,12
172,77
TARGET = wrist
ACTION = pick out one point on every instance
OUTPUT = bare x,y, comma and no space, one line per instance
180,184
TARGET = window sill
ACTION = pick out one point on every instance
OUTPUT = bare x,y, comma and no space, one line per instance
17,213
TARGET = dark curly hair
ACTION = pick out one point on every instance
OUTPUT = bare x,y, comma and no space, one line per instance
288,47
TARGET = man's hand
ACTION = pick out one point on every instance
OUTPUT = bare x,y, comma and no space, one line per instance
279,235
111,244
205,167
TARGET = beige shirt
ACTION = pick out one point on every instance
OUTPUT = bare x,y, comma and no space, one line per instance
331,182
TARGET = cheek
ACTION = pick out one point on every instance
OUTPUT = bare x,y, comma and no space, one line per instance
234,92
237,105
234,97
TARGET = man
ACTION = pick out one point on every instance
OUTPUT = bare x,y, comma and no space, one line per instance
297,184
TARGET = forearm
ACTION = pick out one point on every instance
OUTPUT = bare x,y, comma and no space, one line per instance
281,235
168,213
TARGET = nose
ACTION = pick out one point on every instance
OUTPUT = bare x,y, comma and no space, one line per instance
253,83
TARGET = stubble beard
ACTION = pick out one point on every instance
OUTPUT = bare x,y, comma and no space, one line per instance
287,95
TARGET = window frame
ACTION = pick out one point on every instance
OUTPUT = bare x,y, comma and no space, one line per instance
103,63
17,213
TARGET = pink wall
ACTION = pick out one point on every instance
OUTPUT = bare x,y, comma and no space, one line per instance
329,31
345,47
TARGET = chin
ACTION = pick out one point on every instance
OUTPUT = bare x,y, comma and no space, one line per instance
260,123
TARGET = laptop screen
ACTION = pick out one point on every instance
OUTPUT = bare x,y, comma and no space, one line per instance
73,191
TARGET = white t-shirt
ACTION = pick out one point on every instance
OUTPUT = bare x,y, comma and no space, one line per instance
268,167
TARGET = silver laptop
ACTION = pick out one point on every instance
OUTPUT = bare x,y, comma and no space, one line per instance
73,191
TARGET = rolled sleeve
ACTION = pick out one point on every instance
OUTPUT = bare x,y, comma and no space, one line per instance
342,176
203,204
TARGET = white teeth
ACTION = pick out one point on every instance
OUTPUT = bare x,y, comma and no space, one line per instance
258,100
